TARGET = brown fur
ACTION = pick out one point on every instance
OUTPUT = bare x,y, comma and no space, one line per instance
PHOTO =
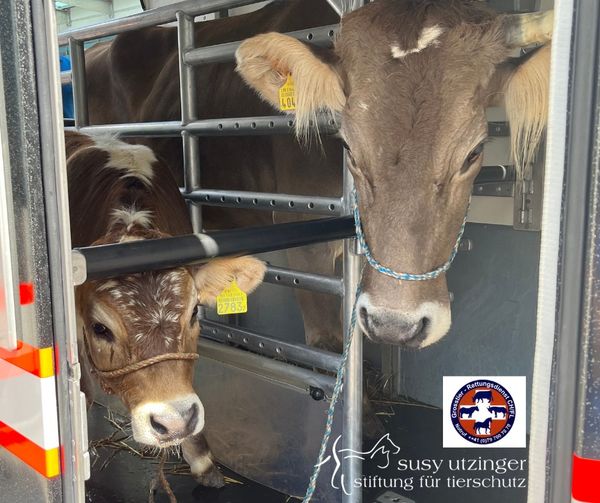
410,122
151,313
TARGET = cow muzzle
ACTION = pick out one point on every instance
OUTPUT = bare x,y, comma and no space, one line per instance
417,328
162,424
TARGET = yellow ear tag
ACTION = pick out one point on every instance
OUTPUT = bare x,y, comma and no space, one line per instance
287,95
232,300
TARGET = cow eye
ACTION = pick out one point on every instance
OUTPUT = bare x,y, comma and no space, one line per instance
194,318
102,332
346,146
473,157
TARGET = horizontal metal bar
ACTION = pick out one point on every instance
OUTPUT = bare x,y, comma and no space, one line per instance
268,346
321,36
243,126
330,206
498,129
66,77
305,280
167,128
291,375
146,255
250,126
161,15
495,174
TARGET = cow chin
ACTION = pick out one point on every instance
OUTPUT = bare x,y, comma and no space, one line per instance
418,328
163,424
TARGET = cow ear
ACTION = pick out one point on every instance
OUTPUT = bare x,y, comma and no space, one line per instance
266,60
526,100
213,277
522,85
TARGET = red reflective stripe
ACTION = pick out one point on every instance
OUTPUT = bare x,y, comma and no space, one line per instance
26,293
36,361
586,474
41,460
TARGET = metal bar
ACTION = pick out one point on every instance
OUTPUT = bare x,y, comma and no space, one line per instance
137,256
269,346
291,375
580,130
494,174
243,126
71,402
77,54
267,201
322,36
498,129
353,381
154,17
254,126
189,113
146,129
305,280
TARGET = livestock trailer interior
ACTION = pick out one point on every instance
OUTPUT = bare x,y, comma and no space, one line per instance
522,290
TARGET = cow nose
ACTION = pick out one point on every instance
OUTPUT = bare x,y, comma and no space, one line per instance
191,417
389,329
170,425
175,424
412,329
160,423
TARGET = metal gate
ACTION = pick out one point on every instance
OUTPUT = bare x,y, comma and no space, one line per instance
190,129
43,239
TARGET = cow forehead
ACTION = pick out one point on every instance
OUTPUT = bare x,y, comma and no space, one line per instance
150,291
151,305
398,38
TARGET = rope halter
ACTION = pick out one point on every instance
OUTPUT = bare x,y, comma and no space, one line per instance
402,276
105,375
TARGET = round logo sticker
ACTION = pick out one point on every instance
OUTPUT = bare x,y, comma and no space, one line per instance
482,412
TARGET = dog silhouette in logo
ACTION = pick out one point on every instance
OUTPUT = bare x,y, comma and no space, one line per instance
483,427
381,452
499,412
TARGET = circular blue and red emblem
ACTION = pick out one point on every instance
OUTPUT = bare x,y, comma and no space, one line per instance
482,412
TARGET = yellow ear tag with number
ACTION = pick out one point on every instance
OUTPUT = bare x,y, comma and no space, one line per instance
287,95
232,300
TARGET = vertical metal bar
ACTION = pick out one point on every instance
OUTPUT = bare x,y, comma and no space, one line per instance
353,383
76,52
189,113
71,403
575,231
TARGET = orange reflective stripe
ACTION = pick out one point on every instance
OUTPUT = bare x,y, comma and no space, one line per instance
39,362
46,462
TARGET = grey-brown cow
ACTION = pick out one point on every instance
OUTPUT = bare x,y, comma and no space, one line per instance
120,192
411,80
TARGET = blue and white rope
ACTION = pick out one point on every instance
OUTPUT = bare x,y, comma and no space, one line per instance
402,276
337,390
339,381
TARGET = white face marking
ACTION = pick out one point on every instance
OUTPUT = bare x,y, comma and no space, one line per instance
428,37
161,303
130,217
135,160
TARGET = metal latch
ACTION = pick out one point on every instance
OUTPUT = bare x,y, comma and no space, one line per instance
528,198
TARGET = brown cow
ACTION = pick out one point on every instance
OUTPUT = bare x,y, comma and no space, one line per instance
120,192
411,80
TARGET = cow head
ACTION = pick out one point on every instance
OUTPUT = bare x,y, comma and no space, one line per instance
133,318
411,80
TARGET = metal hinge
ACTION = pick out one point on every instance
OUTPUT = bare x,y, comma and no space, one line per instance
528,198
